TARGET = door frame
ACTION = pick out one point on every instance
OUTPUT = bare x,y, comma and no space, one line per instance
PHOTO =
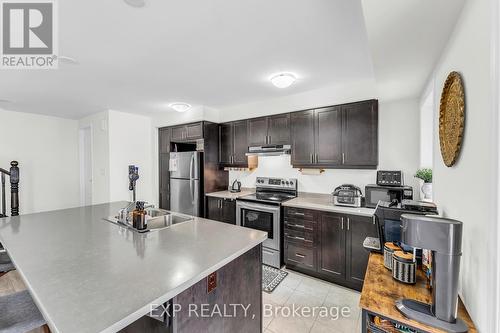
494,302
81,148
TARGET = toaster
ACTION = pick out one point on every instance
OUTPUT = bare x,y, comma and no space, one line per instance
347,195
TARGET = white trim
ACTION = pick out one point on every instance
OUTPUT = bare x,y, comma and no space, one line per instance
81,143
493,320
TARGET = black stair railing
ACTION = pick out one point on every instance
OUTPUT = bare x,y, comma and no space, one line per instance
13,175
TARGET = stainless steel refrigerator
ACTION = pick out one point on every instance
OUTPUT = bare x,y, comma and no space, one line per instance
185,182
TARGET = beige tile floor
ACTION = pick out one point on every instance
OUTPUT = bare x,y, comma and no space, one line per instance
297,289
306,291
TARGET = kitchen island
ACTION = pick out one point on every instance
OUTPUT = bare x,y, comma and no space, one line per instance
89,275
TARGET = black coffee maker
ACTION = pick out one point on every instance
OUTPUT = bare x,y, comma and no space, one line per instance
388,219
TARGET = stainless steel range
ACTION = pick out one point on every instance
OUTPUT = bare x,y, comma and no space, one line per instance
262,211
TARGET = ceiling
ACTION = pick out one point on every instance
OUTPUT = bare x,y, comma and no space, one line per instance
218,53
406,39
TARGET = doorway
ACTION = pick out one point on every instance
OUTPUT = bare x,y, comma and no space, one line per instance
86,175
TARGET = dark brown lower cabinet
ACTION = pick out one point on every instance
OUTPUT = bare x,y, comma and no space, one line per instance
236,284
332,254
221,209
358,228
327,245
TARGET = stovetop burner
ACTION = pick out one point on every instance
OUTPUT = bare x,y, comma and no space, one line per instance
273,190
269,196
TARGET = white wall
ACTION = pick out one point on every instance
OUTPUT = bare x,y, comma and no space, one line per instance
130,143
466,191
100,155
427,127
398,150
47,151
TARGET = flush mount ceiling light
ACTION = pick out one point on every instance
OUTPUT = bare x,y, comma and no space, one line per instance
180,107
283,80
135,3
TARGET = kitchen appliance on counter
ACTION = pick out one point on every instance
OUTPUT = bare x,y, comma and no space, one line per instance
347,195
444,238
376,193
390,178
262,211
235,187
186,192
388,220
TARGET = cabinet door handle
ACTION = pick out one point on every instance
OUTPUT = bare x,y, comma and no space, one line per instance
298,226
342,223
299,238
343,158
317,159
373,219
300,255
299,214
348,223
312,158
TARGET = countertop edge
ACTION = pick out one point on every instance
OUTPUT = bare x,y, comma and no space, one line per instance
228,195
174,292
344,210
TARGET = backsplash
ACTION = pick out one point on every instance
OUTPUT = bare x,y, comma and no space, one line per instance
280,166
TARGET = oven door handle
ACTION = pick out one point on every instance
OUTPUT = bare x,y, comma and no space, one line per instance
263,208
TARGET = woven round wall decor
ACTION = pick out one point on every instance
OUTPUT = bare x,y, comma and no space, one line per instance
451,118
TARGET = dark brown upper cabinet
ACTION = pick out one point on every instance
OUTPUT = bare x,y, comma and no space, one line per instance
189,132
329,136
233,144
360,134
257,131
164,140
343,136
279,129
272,130
302,128
163,165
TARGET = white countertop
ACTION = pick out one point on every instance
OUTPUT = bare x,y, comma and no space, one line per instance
89,275
231,195
324,202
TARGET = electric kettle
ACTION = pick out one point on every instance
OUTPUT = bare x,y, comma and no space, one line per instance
236,187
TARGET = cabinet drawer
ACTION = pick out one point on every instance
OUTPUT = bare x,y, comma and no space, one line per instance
295,254
302,238
300,214
299,224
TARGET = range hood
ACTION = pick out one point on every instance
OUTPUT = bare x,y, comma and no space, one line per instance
269,150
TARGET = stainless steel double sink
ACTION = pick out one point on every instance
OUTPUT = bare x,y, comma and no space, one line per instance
156,219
